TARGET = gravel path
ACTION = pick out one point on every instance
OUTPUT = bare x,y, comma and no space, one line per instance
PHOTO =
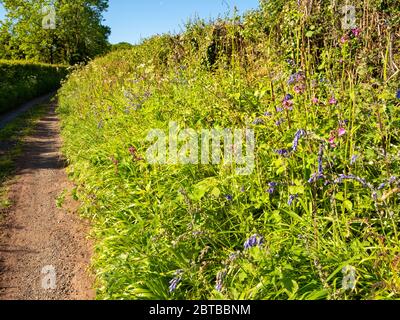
44,251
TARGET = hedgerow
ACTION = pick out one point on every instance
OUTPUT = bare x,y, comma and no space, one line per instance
318,218
23,80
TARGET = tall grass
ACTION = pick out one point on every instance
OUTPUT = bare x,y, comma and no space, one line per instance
319,216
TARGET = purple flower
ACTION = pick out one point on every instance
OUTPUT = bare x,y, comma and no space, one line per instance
272,187
297,137
333,101
282,152
356,32
267,114
220,280
288,97
229,197
353,159
292,197
343,177
398,94
254,241
315,177
381,186
174,282
258,121
279,109
292,79
279,122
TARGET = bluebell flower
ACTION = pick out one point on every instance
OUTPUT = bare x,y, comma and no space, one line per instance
229,197
299,134
398,94
321,160
279,122
268,114
254,241
292,79
272,187
382,186
343,177
353,159
220,280
282,152
174,282
292,198
288,97
258,121
279,109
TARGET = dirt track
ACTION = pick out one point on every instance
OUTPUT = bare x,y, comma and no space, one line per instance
34,233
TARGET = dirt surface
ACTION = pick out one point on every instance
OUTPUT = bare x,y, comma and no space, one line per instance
35,233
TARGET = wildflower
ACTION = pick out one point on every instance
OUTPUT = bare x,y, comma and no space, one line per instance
288,97
288,104
343,177
233,256
278,109
258,121
398,94
173,284
299,89
254,241
279,122
332,140
333,101
220,280
229,197
382,186
299,134
320,160
292,79
392,179
267,114
292,197
341,132
315,176
282,152
344,39
272,187
353,159
356,32
315,100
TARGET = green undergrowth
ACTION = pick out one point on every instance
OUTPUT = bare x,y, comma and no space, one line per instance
317,218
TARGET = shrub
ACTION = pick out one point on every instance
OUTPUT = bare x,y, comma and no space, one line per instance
22,81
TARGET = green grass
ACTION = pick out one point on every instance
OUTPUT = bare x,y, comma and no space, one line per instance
337,239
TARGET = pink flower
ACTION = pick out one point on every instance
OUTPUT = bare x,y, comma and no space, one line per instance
315,100
333,101
288,104
299,89
341,132
356,32
343,39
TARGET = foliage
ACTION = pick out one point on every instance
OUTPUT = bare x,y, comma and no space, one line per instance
24,80
78,33
319,216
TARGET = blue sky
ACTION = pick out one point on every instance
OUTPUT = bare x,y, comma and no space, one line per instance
131,20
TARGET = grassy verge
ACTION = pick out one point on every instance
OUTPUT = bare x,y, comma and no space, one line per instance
318,218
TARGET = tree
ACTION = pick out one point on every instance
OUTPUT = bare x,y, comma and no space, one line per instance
60,31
